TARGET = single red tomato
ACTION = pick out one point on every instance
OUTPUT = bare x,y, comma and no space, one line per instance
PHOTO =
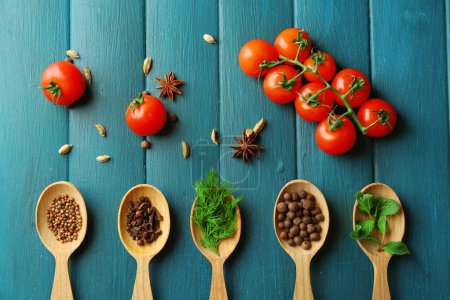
277,84
377,109
62,83
326,66
288,42
351,78
253,54
314,108
146,115
338,140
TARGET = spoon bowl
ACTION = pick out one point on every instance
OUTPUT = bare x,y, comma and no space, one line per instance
302,257
143,254
380,259
61,251
396,222
226,247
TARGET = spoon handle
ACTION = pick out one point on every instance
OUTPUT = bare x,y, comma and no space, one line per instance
218,288
142,288
303,289
380,281
62,289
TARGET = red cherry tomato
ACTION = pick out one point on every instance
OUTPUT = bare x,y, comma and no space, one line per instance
62,83
326,66
338,141
253,54
277,87
146,115
289,40
345,80
375,109
310,108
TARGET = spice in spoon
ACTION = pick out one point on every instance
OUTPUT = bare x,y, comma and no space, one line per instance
143,221
64,218
215,211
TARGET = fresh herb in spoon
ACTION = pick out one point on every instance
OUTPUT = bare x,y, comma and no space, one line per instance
377,208
215,211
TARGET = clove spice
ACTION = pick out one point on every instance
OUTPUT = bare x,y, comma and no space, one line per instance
143,221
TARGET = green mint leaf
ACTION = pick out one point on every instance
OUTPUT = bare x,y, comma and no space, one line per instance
372,239
355,233
360,234
387,207
397,248
382,225
366,227
365,202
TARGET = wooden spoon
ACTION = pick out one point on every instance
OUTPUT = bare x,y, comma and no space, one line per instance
143,254
226,247
302,257
62,288
380,260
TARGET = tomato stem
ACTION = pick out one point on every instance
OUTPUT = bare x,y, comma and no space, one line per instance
54,89
350,112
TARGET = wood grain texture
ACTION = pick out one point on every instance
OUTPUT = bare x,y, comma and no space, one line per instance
340,28
31,132
109,36
259,267
174,31
415,159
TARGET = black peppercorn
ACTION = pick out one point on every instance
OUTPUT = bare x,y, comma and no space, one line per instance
306,245
320,217
314,236
310,197
282,207
280,217
287,223
293,206
302,194
311,228
306,220
290,215
294,230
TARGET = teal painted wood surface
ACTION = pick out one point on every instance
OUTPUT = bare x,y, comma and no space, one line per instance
388,40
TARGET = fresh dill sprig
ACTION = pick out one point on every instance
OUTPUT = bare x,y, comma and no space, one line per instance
215,211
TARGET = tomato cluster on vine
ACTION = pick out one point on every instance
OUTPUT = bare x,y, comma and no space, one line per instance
292,59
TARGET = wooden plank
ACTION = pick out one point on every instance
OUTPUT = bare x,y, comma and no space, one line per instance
259,268
447,18
109,37
175,41
409,70
32,130
340,28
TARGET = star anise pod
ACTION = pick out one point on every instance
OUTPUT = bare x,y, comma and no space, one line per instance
169,86
246,147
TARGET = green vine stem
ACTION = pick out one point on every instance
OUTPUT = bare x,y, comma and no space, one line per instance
350,112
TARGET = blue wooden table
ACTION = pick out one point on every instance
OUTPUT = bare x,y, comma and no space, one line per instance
401,45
